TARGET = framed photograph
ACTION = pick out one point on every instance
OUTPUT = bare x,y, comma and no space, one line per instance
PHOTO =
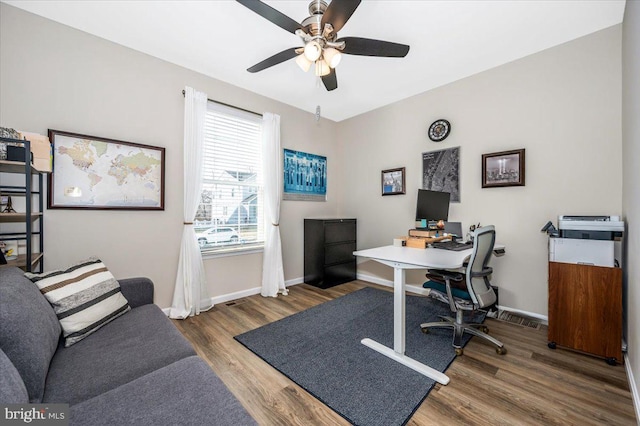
305,176
393,181
504,168
91,172
441,172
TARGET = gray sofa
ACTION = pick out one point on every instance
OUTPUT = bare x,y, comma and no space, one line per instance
137,369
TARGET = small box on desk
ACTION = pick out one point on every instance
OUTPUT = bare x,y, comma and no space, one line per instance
400,241
417,242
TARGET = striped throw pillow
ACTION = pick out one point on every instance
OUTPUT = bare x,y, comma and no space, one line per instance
84,297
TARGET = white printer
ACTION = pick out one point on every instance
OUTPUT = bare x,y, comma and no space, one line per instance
590,227
588,240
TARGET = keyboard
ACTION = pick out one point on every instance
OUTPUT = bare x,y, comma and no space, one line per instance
452,245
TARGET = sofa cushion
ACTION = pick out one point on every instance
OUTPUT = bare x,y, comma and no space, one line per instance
129,347
184,393
85,297
29,329
12,388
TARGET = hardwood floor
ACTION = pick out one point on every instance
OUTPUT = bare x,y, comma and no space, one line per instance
530,385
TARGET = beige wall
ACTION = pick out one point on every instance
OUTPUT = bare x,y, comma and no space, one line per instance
562,105
631,184
52,76
558,104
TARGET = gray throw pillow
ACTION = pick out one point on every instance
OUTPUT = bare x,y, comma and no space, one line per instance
84,297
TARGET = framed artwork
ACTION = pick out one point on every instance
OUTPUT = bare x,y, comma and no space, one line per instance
305,176
504,168
441,171
393,181
91,172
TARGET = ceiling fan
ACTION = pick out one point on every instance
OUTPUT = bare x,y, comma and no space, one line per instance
319,33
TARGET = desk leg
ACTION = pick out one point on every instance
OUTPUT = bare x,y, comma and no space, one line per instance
399,311
399,333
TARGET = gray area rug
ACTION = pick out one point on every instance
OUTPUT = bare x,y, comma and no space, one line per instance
320,350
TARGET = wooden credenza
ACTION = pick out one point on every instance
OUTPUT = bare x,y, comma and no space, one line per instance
585,309
328,251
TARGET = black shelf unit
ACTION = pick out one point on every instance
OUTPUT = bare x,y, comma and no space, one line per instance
32,217
328,251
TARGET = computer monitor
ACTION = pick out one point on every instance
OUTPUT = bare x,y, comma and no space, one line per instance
432,205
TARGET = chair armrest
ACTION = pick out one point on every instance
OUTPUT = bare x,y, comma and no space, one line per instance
137,291
484,273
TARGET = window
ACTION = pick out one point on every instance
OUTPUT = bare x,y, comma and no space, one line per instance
230,215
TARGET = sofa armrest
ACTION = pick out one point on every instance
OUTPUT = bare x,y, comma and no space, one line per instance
138,291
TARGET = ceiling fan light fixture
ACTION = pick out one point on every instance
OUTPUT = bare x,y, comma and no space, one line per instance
303,62
312,50
332,56
322,68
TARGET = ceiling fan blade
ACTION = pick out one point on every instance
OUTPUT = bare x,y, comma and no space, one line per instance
271,14
285,55
339,12
369,47
330,81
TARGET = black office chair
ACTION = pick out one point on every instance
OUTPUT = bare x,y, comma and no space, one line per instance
476,294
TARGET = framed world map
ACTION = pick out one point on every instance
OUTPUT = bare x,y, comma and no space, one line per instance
96,173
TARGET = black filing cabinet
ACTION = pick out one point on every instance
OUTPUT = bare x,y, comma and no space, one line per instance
328,251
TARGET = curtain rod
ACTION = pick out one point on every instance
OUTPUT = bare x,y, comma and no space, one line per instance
230,106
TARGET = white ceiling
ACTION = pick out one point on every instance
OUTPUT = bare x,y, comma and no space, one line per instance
449,40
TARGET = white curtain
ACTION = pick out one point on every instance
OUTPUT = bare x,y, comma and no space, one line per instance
190,295
272,270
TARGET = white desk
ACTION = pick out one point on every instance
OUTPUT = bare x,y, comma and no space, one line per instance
401,259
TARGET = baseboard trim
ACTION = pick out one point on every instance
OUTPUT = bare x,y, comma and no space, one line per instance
542,318
294,281
419,290
635,395
240,294
374,280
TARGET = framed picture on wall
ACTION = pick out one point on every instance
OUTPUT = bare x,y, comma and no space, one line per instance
305,176
441,172
91,172
504,168
393,181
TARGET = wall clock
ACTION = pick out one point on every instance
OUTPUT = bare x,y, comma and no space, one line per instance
439,130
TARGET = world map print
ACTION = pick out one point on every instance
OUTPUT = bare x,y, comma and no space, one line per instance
98,174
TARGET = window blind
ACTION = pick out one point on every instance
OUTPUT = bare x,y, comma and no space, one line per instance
230,216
